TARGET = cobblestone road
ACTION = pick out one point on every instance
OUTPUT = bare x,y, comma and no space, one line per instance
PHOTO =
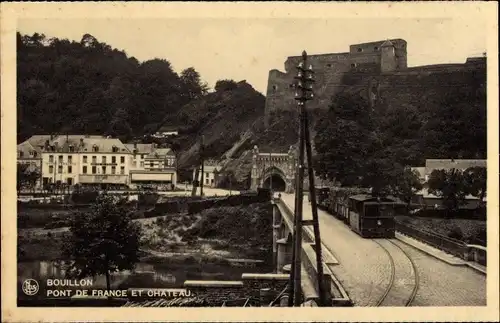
364,269
445,285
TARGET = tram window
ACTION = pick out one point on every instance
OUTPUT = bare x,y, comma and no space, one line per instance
372,211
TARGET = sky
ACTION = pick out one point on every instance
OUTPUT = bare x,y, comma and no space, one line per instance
247,48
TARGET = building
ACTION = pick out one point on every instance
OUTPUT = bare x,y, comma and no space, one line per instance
152,166
211,170
165,132
375,70
30,152
85,160
429,200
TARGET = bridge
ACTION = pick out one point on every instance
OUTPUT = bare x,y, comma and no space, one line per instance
374,272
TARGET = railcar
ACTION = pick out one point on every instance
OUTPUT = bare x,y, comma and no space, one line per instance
372,217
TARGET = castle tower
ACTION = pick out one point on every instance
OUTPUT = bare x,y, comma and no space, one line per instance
388,62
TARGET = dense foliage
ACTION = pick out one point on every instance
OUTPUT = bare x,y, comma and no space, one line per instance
454,185
89,87
103,241
368,146
26,176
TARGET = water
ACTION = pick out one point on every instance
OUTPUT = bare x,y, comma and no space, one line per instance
145,275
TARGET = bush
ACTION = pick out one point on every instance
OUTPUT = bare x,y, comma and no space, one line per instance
147,198
456,233
84,196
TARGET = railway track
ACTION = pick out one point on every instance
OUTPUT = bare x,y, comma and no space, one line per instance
404,280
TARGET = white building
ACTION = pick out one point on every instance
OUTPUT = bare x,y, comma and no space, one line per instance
85,160
152,166
211,171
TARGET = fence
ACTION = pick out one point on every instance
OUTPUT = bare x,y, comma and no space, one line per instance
452,246
457,248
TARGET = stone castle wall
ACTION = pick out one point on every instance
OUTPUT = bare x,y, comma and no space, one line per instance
367,68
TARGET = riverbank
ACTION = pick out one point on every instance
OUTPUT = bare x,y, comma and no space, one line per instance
211,235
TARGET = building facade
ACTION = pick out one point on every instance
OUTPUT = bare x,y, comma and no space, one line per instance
152,167
211,170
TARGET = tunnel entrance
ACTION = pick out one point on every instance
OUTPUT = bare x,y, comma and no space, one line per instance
275,182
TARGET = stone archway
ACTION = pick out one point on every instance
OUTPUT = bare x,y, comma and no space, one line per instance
274,179
276,167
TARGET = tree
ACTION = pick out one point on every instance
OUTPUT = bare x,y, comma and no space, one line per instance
475,178
27,176
103,241
450,185
225,85
194,87
345,140
407,185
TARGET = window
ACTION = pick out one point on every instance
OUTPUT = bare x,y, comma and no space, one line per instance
51,158
71,148
61,158
275,88
360,50
59,169
122,159
104,169
94,169
94,159
104,159
142,164
206,181
51,169
375,49
113,159
69,181
84,159
207,175
95,148
35,154
354,65
70,159
113,170
70,169
21,154
328,65
122,170
84,170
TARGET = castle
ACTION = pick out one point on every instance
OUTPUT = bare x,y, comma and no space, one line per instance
370,68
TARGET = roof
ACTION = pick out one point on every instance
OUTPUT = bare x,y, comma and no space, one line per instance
83,143
141,148
446,164
160,153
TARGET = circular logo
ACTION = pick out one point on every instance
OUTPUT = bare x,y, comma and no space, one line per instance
30,287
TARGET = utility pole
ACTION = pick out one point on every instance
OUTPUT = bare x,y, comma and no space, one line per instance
271,177
202,157
305,79
196,182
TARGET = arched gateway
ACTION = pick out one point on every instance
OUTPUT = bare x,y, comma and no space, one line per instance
273,170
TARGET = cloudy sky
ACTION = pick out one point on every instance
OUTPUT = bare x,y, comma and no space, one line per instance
247,48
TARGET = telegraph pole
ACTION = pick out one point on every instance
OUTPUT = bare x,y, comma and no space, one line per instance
305,80
202,157
196,182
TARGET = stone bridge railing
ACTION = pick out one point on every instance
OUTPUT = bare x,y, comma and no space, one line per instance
283,246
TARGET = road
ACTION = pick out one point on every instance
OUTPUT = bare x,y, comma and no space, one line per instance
364,270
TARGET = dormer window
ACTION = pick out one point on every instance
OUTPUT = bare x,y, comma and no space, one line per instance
114,149
71,148
353,65
95,148
360,49
21,154
375,49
